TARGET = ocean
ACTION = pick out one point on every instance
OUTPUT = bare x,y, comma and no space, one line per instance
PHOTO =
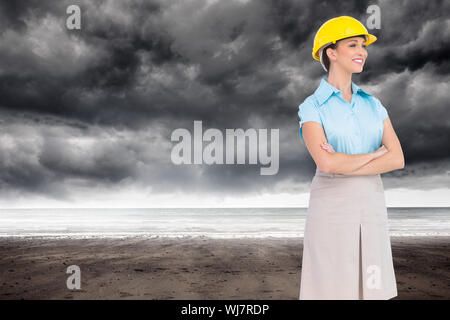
209,222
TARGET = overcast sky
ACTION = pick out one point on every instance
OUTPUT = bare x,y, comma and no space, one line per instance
86,115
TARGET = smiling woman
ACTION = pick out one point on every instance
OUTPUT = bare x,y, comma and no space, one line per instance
346,247
349,42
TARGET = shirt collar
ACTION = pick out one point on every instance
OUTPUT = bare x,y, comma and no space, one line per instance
325,90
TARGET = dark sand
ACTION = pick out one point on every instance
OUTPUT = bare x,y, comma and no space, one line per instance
195,268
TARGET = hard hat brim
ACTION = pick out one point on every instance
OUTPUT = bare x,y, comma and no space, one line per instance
370,38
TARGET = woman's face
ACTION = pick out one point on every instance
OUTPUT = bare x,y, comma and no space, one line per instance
350,54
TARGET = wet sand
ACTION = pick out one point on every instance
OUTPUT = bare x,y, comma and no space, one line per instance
195,268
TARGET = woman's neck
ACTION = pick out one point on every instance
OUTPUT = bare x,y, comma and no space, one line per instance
341,81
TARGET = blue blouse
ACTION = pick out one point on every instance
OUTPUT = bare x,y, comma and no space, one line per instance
351,128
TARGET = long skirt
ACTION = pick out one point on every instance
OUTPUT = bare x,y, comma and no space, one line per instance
346,247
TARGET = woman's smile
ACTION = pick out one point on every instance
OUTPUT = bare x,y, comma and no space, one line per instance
358,61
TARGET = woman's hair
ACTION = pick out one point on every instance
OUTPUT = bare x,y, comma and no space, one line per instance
325,59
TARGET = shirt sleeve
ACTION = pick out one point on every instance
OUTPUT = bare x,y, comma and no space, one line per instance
382,112
308,112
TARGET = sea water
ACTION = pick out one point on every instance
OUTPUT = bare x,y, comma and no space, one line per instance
208,222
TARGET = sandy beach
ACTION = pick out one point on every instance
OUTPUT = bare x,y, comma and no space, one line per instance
195,268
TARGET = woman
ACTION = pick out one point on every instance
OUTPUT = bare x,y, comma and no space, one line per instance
346,248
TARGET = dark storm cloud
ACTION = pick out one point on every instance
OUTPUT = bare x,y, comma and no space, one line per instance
49,155
98,105
14,14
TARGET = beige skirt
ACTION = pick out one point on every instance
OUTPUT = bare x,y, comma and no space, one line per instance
346,246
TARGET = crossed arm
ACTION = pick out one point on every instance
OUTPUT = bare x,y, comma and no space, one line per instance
354,164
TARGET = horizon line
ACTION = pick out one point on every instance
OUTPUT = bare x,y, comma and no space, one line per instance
118,208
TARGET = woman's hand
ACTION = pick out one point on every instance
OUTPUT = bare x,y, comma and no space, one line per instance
327,147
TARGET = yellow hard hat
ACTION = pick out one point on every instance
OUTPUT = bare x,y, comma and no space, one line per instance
339,28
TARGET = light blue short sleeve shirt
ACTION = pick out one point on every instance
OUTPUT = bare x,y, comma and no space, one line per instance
351,128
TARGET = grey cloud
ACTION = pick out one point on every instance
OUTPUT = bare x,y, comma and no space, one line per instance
99,105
